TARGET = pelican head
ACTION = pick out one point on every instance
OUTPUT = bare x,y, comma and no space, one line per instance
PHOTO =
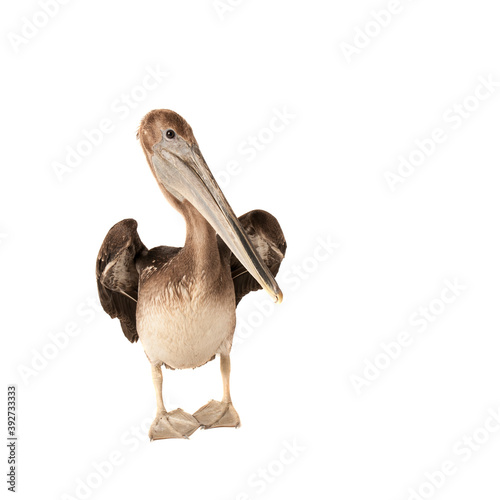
183,176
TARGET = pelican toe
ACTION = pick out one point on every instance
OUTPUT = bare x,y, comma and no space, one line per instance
174,424
217,414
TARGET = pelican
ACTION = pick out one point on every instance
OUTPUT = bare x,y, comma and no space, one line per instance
181,302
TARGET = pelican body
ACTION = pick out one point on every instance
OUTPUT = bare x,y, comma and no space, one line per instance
181,302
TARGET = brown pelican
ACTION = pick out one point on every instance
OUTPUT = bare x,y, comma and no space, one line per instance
181,302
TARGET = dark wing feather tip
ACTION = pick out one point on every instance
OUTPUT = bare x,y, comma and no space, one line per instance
266,235
117,275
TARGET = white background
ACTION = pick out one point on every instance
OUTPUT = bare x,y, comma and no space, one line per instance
323,177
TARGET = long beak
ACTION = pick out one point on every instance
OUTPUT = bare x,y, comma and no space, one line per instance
185,174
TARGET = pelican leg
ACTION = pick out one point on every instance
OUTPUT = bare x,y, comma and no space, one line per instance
174,424
220,413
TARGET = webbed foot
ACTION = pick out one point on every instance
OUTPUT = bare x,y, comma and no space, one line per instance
174,424
217,414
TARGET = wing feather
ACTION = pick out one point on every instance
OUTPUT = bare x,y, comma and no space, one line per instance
266,235
117,276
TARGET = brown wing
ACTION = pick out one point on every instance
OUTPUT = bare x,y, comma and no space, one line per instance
117,276
268,239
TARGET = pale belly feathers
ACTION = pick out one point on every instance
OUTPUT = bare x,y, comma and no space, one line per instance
184,325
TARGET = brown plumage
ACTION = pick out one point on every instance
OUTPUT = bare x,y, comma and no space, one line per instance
117,275
180,302
124,257
266,235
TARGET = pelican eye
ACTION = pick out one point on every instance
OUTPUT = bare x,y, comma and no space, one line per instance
170,134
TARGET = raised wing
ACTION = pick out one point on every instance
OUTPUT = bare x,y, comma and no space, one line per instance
117,276
268,239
